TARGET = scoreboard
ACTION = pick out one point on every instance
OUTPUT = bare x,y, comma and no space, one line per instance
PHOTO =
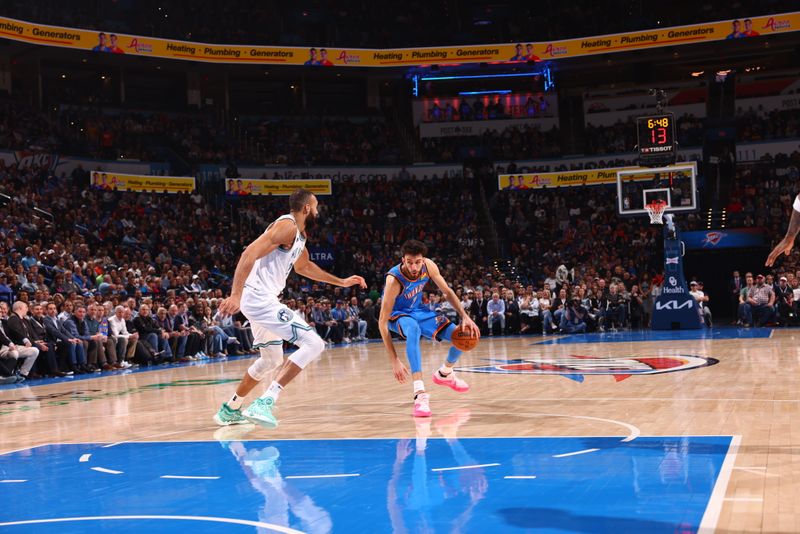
656,138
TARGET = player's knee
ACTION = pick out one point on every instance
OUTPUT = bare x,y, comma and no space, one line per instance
311,347
411,330
315,343
271,359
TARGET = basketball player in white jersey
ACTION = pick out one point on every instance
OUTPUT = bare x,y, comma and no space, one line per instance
260,277
787,243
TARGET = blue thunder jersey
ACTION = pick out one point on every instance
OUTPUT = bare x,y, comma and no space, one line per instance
410,298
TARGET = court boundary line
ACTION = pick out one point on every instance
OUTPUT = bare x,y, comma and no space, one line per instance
376,438
31,448
708,524
245,522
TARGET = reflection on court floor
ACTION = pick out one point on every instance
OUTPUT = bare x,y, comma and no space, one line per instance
434,482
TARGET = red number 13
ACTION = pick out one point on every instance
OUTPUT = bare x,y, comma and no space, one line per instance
658,138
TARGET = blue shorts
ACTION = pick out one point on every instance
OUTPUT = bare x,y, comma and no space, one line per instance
431,324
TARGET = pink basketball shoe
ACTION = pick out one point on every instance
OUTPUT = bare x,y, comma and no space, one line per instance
422,406
451,381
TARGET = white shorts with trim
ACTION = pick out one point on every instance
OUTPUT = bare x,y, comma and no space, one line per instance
272,321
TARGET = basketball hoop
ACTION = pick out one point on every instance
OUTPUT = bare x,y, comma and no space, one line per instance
656,210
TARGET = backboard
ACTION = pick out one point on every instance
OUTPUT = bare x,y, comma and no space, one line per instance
675,184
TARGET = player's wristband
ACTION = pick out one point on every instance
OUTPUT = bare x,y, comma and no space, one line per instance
796,204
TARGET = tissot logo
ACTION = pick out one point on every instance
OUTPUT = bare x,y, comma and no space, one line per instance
575,367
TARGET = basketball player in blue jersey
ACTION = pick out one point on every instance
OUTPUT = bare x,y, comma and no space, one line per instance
403,314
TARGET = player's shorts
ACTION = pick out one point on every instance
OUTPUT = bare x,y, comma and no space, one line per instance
431,324
272,321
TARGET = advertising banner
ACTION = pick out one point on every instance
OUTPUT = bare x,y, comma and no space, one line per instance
540,180
246,187
322,256
465,128
106,41
718,239
139,183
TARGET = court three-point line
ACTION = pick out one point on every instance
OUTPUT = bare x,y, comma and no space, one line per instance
13,481
585,451
463,467
520,477
188,477
104,470
324,476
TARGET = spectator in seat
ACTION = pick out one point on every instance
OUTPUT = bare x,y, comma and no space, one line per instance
331,323
735,288
784,297
573,320
479,313
744,305
369,314
496,309
512,314
357,325
48,357
17,329
69,346
339,314
103,346
761,303
615,308
124,341
167,325
144,353
696,291
76,328
152,334
636,306
529,311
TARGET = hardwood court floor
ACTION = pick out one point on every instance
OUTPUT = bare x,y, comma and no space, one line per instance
627,385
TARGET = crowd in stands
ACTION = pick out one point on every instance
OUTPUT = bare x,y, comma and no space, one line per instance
161,264
326,142
356,23
514,142
477,110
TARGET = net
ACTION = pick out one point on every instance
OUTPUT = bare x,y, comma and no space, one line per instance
656,211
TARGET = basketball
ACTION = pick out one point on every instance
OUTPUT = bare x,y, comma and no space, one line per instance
464,340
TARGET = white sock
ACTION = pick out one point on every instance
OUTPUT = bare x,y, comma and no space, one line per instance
273,391
445,371
236,402
419,386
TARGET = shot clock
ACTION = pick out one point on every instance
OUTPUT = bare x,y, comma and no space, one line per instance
656,136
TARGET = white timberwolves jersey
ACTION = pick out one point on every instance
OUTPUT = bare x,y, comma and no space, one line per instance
269,273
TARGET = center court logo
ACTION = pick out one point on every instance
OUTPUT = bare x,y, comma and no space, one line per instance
575,367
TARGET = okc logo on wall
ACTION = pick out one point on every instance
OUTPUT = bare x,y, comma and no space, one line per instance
712,239
575,367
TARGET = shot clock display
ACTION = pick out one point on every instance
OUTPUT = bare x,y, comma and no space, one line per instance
656,136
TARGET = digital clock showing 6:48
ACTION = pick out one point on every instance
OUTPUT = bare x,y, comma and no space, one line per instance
656,134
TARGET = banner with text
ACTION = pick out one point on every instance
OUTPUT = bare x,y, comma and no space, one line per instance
110,181
541,180
245,187
119,43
